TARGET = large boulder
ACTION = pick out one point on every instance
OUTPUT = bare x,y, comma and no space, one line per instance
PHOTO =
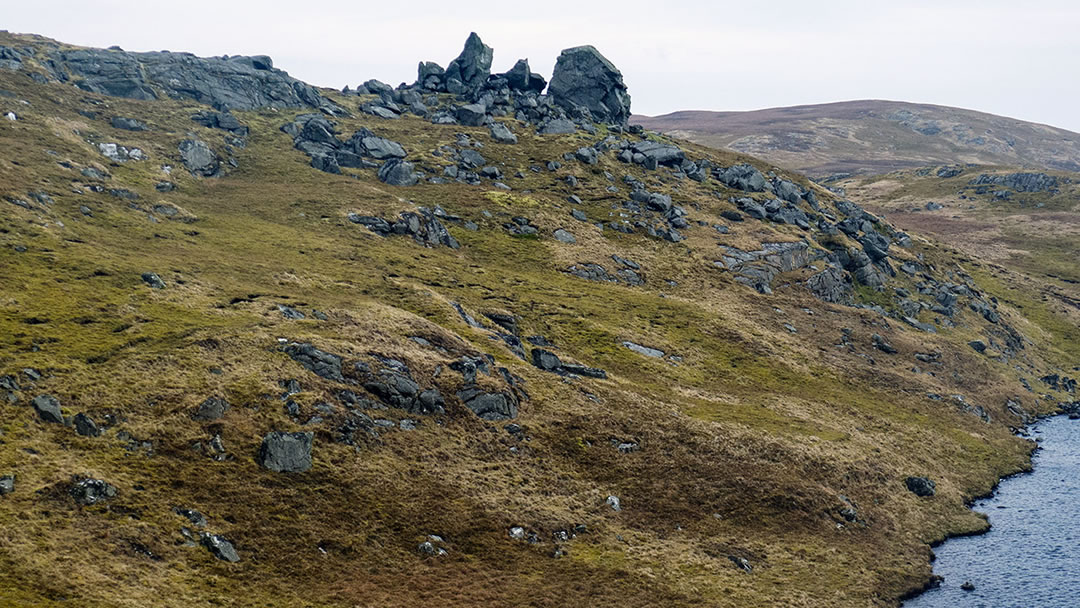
397,172
286,452
585,78
472,66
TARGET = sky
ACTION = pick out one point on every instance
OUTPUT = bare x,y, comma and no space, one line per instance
1018,59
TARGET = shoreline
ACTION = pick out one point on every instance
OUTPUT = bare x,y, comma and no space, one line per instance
934,581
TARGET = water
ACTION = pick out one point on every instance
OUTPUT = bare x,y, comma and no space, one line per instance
1031,556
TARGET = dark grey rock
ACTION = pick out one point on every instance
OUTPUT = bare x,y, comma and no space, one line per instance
741,177
564,237
472,67
85,426
7,484
290,313
220,547
521,78
558,126
128,124
489,406
48,409
978,345
153,280
212,408
91,491
397,172
321,363
286,452
585,78
471,115
920,486
546,360
199,158
501,134
882,345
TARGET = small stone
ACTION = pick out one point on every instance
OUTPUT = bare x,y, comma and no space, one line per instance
921,486
48,409
7,484
220,547
153,280
614,503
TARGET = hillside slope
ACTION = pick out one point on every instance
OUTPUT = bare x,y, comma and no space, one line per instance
873,137
464,343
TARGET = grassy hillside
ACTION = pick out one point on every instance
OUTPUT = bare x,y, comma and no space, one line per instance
874,137
771,434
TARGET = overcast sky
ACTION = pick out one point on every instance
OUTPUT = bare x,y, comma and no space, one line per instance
1018,59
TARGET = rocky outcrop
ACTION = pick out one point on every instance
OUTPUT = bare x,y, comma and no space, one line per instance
471,68
226,83
199,159
1021,182
583,78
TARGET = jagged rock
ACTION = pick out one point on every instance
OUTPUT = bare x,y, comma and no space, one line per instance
127,124
220,547
397,172
48,409
85,426
920,486
521,78
91,491
430,76
199,158
501,134
472,67
212,408
286,452
321,363
583,77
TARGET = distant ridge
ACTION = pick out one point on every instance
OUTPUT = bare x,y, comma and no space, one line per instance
874,136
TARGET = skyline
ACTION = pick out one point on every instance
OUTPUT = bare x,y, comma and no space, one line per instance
697,58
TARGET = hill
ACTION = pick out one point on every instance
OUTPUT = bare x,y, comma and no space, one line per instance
875,137
469,342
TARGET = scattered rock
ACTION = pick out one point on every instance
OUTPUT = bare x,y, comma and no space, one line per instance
564,237
199,158
978,345
127,124
220,547
85,426
153,280
397,172
7,484
48,409
321,363
91,491
286,452
501,134
614,503
644,350
213,408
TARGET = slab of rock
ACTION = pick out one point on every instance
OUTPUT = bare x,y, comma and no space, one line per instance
127,124
321,363
644,350
286,452
48,409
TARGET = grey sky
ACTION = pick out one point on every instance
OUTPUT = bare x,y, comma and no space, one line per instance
1017,59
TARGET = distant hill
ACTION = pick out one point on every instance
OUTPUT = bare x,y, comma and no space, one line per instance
862,137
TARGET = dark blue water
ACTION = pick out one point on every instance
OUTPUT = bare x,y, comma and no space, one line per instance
1031,556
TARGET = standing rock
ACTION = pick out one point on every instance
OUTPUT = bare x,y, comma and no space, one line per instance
48,409
286,452
472,66
199,158
584,77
